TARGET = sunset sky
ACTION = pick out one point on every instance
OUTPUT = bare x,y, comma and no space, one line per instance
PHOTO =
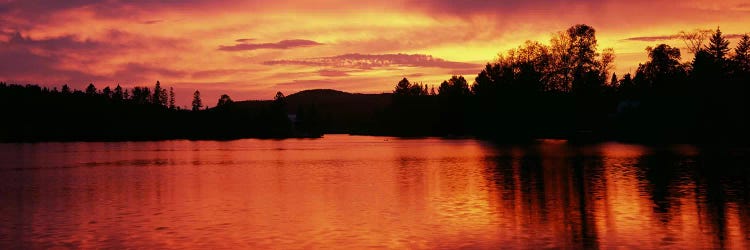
251,49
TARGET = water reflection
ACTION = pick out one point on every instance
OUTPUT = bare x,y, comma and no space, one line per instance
361,192
616,195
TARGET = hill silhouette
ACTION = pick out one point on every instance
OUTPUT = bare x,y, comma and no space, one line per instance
337,111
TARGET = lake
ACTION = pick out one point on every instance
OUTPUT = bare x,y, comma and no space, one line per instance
355,192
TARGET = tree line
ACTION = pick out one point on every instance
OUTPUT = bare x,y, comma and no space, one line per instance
138,95
35,113
566,89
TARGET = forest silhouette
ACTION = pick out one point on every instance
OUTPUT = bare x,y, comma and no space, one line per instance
562,90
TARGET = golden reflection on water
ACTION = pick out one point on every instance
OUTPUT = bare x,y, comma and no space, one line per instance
359,192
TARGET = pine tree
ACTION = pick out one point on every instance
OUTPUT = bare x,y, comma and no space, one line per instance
718,46
91,89
613,82
160,95
403,87
742,53
197,103
107,92
118,94
171,98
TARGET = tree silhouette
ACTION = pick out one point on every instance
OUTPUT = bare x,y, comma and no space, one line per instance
160,95
454,87
224,100
279,102
141,95
583,48
91,89
485,84
718,46
613,82
663,68
627,87
197,103
171,98
118,95
607,62
403,87
694,40
280,98
741,55
561,73
586,76
107,92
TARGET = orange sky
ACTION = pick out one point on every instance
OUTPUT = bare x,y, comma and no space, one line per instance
251,49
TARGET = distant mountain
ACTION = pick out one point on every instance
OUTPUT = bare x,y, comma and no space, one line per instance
338,111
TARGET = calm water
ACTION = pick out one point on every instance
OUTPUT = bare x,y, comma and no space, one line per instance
371,192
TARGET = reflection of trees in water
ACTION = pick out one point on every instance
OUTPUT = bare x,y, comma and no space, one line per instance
722,186
578,197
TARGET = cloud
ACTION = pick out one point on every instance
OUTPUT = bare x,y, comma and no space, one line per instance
671,37
146,72
284,44
70,44
23,65
367,61
652,38
67,42
152,21
332,73
244,40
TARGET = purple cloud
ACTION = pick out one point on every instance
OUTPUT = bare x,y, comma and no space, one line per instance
244,40
25,66
284,44
68,42
366,61
141,71
152,21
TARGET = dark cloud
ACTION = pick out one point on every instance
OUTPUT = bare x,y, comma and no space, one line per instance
244,40
733,36
67,42
28,59
652,38
137,71
71,44
20,64
284,44
366,61
152,21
